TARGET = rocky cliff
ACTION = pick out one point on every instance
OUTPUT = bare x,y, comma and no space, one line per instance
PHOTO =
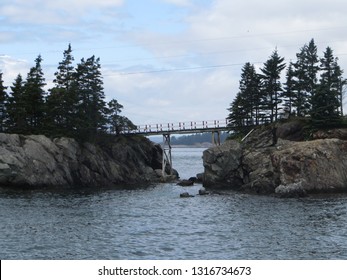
37,161
266,164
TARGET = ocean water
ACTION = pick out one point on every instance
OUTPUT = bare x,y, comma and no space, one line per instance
153,222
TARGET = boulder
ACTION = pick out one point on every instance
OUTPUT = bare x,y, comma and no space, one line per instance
203,192
185,183
293,131
291,190
199,178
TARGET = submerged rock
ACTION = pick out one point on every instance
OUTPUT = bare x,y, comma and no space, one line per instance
291,190
203,192
185,195
37,161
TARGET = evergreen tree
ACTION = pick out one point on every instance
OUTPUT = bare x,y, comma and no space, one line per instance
62,101
326,100
289,93
91,109
305,82
272,87
16,122
238,115
3,99
245,109
250,91
33,98
117,122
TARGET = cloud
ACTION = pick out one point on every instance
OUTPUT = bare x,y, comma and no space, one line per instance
52,12
150,98
11,67
183,3
225,33
144,38
55,21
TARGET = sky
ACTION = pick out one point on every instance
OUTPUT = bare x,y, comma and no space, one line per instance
167,61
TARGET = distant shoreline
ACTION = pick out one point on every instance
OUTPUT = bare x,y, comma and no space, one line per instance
197,145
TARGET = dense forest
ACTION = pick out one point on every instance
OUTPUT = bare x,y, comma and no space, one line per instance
313,88
74,107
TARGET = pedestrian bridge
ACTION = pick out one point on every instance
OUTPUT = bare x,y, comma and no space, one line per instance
180,128
167,129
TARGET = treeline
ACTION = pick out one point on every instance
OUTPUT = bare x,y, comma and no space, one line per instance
313,88
74,107
195,139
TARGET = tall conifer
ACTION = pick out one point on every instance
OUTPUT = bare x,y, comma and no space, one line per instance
272,87
326,100
288,93
91,110
62,101
33,98
3,100
305,81
16,121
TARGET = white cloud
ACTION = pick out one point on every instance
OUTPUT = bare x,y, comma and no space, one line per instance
52,12
11,67
183,3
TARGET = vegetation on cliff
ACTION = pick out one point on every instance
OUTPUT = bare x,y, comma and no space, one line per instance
313,89
74,107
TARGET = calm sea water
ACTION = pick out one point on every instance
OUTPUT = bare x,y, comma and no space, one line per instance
154,223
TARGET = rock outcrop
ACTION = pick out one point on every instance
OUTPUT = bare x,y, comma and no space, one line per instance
265,164
37,161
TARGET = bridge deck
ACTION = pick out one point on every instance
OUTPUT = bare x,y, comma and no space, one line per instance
180,128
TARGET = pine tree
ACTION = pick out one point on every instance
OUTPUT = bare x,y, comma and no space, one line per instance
238,114
117,122
312,67
16,122
91,110
62,101
288,93
272,87
250,91
33,98
326,100
3,99
245,109
305,81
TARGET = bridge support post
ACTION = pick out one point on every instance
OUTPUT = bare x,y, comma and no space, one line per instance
167,158
216,138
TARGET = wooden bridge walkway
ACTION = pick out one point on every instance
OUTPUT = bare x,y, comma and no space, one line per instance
180,128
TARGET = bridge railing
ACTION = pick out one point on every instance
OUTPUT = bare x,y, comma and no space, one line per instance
178,127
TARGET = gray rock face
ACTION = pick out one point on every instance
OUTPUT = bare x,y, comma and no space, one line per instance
223,165
287,168
37,161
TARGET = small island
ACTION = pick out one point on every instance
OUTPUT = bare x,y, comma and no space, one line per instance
288,139
68,135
